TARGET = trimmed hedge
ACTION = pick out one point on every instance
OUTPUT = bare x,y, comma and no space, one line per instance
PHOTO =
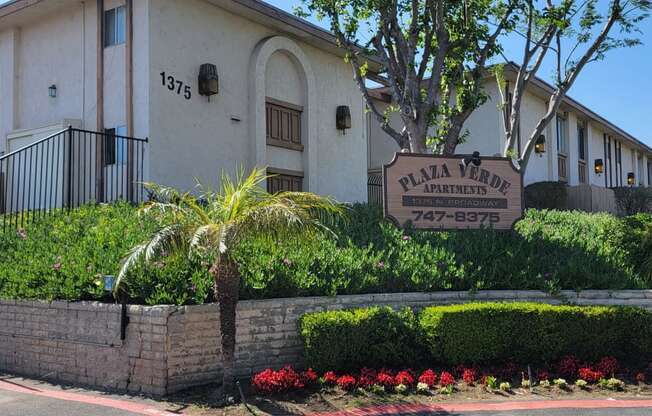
633,200
533,332
474,333
546,195
372,337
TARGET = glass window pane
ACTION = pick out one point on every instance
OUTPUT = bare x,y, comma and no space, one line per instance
120,25
581,142
121,145
109,147
562,141
109,27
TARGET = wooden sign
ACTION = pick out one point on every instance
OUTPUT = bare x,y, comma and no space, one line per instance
439,193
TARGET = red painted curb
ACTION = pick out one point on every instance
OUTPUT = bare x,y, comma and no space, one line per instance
138,408
478,407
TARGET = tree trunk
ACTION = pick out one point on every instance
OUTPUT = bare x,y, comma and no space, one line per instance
227,288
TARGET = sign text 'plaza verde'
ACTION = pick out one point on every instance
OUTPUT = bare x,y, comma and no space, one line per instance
436,192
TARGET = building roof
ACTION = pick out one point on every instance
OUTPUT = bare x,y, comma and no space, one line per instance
16,12
542,87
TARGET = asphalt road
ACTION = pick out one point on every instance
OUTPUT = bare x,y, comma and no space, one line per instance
21,404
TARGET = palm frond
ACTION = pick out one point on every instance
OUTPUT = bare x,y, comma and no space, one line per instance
211,236
129,262
242,209
169,237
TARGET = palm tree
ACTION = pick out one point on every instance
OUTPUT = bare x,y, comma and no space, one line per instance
216,223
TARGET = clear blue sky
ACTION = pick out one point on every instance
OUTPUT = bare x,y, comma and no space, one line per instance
618,88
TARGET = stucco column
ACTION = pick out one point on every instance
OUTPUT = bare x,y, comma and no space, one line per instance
588,139
635,166
645,178
552,153
573,150
9,72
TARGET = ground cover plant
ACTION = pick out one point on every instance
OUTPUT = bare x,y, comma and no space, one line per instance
64,256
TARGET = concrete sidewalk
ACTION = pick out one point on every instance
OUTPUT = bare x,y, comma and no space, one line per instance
534,408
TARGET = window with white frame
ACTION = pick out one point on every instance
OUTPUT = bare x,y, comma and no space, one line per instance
115,26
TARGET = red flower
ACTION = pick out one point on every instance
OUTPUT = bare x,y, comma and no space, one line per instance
270,381
568,366
346,382
469,376
640,377
404,377
309,376
385,379
367,377
608,366
428,377
330,378
446,379
590,375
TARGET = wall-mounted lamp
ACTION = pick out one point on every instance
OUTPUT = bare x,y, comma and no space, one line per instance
343,118
52,91
209,82
631,179
540,145
598,166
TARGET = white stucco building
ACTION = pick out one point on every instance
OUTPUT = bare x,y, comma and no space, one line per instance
575,141
131,67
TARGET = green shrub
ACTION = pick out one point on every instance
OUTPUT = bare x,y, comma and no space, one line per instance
638,243
373,337
546,195
633,200
548,250
533,333
64,256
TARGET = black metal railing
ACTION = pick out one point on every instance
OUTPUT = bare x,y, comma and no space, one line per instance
68,169
375,188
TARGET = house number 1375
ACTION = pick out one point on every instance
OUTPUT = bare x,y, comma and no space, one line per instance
174,84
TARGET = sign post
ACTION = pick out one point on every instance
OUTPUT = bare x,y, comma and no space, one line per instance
459,192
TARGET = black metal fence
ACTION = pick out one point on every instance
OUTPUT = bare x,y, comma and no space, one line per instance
375,188
68,169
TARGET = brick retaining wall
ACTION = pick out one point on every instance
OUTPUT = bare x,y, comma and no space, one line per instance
170,348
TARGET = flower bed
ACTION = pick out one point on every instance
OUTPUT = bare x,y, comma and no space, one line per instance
585,376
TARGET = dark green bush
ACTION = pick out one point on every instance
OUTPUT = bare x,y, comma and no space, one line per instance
373,337
633,200
534,333
546,195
